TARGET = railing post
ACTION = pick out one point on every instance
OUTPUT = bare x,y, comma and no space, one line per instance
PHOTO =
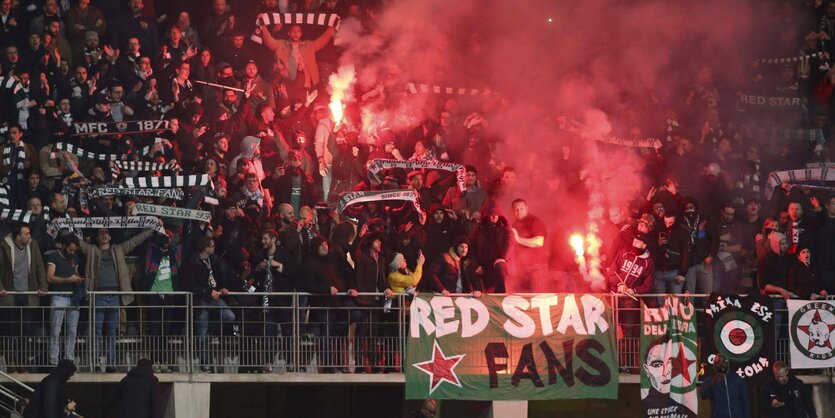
189,337
295,338
91,332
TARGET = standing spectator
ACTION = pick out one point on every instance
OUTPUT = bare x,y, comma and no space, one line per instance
107,271
134,24
786,396
491,244
727,392
673,257
802,279
9,23
138,394
62,275
796,227
296,59
471,200
218,24
371,277
453,272
21,270
774,270
81,19
208,286
530,258
825,245
48,399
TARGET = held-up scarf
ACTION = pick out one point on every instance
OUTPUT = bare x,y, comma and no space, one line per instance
14,155
270,19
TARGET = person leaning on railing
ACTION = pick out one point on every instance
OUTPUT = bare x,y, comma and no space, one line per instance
21,270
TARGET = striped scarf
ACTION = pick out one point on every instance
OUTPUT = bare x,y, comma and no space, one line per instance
72,149
14,159
167,181
270,19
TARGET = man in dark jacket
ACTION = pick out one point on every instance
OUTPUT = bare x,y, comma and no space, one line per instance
48,399
673,257
370,273
786,396
138,394
727,393
453,272
491,243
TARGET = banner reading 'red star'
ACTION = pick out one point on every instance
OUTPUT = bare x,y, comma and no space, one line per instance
669,359
551,346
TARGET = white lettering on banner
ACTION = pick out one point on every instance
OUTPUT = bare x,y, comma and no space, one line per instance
138,222
172,212
773,101
523,314
377,164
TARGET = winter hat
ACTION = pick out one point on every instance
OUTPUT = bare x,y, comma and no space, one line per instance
396,262
461,239
774,239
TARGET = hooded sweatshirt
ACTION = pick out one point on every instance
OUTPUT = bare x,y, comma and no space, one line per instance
138,394
774,269
48,399
248,146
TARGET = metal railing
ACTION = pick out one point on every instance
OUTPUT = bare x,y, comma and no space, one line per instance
239,333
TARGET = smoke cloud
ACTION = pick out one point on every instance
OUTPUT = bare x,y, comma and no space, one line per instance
619,67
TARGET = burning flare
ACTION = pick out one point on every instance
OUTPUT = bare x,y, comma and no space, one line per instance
340,84
576,242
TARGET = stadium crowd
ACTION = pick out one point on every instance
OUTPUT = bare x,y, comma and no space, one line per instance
278,162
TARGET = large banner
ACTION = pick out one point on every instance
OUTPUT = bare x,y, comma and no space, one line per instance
550,346
669,360
741,328
810,330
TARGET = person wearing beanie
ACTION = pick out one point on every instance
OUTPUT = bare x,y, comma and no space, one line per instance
370,273
453,272
774,271
400,277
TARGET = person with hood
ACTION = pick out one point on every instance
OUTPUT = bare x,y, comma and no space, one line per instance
294,187
727,392
251,151
138,394
453,271
48,399
774,270
491,243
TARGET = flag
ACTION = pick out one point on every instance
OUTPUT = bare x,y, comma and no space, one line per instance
549,346
811,323
669,359
741,328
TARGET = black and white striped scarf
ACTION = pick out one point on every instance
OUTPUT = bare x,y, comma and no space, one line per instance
14,159
415,88
167,181
4,197
269,19
146,165
81,152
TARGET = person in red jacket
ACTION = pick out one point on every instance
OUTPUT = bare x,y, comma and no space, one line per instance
631,275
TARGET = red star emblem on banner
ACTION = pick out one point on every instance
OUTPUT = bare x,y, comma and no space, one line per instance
681,364
440,368
815,321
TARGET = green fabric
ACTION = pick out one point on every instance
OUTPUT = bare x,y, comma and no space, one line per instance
669,359
499,348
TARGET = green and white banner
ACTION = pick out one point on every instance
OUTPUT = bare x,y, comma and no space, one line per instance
549,346
669,359
811,323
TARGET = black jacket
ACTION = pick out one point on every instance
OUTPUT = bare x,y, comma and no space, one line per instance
371,276
675,254
138,396
48,399
796,396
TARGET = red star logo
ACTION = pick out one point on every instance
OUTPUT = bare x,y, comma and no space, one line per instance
816,320
681,364
440,368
